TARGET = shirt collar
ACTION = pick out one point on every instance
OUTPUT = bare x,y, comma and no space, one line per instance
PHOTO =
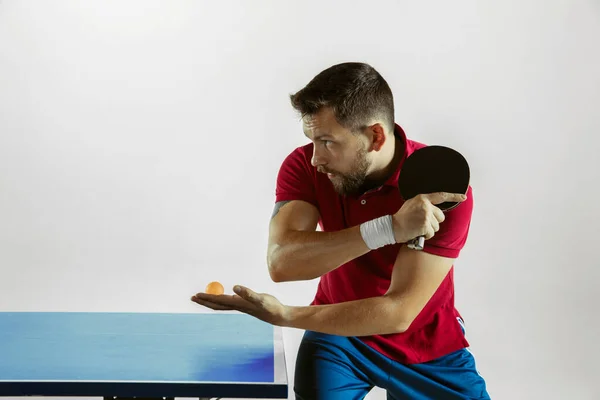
393,179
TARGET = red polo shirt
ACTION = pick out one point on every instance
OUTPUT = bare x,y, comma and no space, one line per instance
436,330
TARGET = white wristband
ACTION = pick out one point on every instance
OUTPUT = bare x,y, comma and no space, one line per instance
378,232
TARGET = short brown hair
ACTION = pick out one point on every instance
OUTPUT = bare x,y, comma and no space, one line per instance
355,91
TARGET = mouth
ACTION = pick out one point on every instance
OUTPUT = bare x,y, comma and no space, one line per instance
329,174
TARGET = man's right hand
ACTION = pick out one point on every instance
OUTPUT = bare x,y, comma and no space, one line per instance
419,216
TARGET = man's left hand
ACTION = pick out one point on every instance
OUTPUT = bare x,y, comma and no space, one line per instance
259,305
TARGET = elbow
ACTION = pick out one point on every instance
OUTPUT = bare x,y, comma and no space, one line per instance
401,322
401,317
284,266
281,268
274,265
402,326
275,274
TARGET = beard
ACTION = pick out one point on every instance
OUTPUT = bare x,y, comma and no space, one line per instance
353,182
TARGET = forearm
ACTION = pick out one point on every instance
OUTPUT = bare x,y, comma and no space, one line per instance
372,316
305,255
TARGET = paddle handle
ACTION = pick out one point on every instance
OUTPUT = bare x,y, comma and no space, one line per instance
416,243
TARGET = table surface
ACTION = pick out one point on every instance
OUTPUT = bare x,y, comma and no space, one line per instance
140,355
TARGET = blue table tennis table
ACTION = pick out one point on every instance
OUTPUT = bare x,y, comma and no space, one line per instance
140,355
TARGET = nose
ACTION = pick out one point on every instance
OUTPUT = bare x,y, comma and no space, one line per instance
317,158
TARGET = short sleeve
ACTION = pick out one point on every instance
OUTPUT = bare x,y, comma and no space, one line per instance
295,180
449,240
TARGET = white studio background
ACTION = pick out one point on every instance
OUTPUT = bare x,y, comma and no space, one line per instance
140,141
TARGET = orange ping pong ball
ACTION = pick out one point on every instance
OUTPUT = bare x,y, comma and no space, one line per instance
214,288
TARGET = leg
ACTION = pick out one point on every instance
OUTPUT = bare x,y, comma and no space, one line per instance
452,377
329,367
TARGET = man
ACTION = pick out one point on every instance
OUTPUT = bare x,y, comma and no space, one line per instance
383,314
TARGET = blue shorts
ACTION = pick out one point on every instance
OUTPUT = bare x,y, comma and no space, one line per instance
337,367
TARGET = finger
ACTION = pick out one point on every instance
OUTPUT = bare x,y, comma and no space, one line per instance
222,299
438,214
429,233
214,298
441,197
241,305
435,225
214,306
247,294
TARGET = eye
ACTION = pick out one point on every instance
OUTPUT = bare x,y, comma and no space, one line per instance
326,142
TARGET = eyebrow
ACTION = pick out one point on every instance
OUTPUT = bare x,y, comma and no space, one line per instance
317,137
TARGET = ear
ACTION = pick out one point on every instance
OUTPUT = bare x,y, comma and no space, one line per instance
378,138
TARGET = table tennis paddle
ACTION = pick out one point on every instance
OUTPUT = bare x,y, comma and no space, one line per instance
433,169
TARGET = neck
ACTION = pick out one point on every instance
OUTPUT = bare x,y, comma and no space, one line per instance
389,161
388,165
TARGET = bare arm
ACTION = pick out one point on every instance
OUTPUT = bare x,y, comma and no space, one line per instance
297,252
415,278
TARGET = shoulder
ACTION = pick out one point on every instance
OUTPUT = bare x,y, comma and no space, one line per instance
297,177
299,156
413,145
297,165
